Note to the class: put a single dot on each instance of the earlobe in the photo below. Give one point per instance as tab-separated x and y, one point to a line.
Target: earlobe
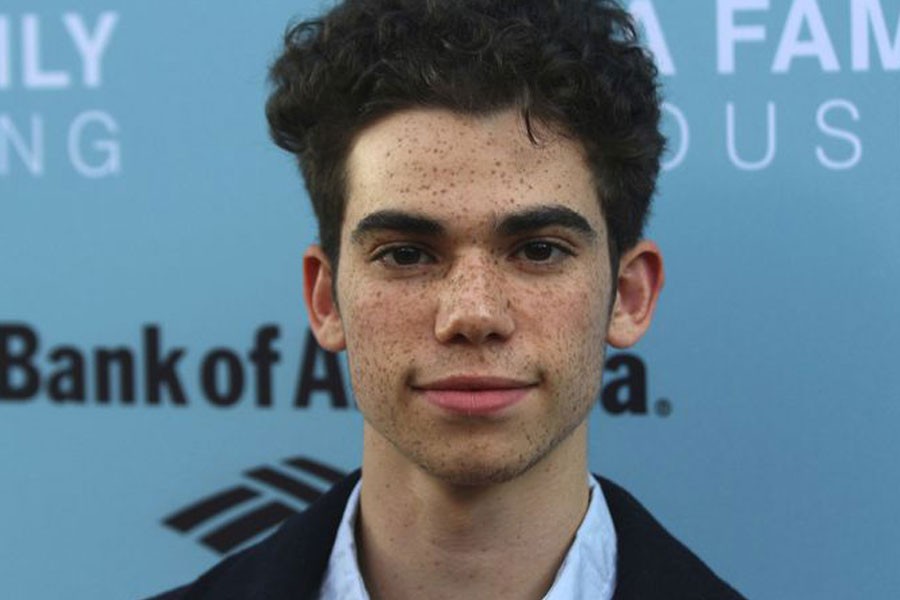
321	305
638	285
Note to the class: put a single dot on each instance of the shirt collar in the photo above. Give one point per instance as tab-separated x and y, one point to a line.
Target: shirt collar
588	570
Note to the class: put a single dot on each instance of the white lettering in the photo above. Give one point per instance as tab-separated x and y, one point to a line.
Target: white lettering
33	75
728	33
819	45
842	134
108	146
866	13
91	46
32	158
684	136
5	53
645	15
736	160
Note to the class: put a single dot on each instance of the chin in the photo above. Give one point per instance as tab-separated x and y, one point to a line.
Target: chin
478	469
474	475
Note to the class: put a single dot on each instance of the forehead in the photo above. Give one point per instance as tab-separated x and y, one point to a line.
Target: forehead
432	160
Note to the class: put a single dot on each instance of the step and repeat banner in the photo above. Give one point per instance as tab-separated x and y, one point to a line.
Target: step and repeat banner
162	403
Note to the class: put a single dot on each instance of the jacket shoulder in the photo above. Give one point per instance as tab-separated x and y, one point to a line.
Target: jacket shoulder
289	563
651	562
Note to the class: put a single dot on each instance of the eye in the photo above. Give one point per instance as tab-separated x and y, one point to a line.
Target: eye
542	251
403	256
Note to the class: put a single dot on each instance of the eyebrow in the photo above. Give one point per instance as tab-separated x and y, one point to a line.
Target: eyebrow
396	220
526	221
539	217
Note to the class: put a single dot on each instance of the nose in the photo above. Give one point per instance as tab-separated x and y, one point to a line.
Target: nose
474	306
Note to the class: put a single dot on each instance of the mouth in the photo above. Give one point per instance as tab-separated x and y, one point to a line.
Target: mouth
475	395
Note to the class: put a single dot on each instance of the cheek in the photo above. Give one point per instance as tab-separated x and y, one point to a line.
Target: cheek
383	331
570	326
581	307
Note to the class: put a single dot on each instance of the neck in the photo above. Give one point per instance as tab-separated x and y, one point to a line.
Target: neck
421	536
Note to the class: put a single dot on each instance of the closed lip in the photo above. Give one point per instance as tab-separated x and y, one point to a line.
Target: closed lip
474	383
475	396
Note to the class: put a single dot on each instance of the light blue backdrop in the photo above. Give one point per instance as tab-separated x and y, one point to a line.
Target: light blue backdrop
138	187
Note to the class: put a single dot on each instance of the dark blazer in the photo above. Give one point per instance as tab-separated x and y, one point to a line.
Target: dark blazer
290	564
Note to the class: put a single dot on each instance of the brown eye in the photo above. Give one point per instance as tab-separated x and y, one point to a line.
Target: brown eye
538	251
403	256
542	253
406	255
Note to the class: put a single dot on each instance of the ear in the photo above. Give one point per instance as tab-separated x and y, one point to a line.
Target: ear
639	283
321	305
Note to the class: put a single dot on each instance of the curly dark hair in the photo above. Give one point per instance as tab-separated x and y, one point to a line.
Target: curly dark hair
575	65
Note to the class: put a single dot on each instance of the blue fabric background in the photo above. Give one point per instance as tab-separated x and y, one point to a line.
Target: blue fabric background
776	341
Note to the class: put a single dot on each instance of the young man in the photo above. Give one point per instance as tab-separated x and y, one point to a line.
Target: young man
481	172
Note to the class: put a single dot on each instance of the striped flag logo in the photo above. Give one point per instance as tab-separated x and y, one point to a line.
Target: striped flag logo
227	519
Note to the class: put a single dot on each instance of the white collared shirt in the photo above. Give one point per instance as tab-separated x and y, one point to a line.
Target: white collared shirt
588	572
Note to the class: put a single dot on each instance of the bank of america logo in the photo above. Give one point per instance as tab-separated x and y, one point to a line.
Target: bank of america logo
270	494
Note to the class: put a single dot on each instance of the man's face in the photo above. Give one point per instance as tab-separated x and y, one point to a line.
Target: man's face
473	291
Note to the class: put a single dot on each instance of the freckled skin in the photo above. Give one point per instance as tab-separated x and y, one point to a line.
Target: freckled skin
479	307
